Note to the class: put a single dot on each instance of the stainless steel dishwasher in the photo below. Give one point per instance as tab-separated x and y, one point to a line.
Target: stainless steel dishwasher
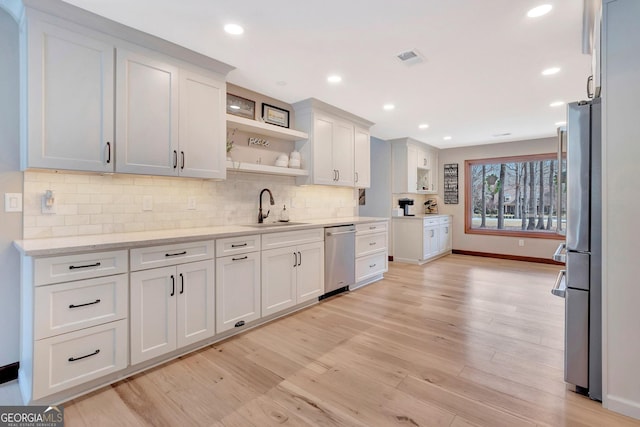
339	258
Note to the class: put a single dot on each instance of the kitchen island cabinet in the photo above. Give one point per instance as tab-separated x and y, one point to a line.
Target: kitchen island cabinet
422	238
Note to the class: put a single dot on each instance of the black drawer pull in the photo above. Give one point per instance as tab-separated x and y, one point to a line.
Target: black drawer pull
176	254
372	244
239	259
371	265
173	286
73	359
239	246
73	267
240	323
372	228
84	305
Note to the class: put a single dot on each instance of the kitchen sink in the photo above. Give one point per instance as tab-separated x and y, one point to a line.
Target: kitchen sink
275	224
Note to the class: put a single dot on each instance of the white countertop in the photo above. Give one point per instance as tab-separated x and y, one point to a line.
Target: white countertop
65	245
421	216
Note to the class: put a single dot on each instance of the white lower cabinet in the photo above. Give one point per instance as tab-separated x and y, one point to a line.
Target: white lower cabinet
372	252
291	275
237	290
420	239
171	307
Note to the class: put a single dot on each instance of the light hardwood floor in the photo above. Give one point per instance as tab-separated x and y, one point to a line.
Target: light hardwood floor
462	341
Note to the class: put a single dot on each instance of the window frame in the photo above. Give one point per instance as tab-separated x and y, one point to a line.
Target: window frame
468	198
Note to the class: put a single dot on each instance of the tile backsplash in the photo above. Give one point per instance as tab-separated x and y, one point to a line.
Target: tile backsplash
88	204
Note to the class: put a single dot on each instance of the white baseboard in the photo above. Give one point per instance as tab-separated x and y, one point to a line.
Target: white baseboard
622	406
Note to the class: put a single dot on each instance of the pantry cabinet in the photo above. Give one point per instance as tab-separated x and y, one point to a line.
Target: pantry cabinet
362	150
414	167
329	151
292	269
69	98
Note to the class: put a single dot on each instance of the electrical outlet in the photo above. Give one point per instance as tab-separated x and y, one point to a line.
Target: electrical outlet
191	203
48	200
147	203
13	202
521	242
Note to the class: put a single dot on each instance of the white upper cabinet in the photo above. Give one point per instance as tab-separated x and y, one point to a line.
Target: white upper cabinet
69	99
329	152
414	167
147	115
362	150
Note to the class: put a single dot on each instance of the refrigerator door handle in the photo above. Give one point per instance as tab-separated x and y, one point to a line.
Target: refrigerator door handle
560	287
560	254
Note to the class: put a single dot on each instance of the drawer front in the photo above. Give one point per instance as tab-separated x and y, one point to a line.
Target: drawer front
373	227
431	222
67	307
370	243
291	238
237	245
81	266
67	360
162	256
370	266
445	220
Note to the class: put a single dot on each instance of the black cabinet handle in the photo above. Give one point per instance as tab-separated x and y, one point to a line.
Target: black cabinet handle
176	254
338	175
238	324
173	286
371	265
239	246
75	267
175	159
108	152
73	359
372	244
295	259
182	163
357	177
181	284
84	305
299	258
239	259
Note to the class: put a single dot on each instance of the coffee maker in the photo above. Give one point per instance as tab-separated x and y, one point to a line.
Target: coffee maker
407	206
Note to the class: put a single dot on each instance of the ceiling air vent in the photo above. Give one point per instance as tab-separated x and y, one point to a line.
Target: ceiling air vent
410	57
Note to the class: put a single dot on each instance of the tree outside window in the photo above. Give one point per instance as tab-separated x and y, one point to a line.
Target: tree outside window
514	196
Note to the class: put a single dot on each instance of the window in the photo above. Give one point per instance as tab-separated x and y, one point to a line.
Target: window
513	196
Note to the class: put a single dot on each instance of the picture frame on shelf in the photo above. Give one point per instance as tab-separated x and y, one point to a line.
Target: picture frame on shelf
275	116
242	107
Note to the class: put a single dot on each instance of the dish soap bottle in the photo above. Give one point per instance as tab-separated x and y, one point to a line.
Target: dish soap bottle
284	215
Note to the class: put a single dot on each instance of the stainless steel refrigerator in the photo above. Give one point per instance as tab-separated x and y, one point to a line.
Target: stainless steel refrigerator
581	283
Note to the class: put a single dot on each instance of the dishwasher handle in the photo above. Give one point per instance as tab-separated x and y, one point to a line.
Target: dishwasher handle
337	233
560	254
560	287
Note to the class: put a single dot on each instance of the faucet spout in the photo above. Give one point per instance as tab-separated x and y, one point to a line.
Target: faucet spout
262	217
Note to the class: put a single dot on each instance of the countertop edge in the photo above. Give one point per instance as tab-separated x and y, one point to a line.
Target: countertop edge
101	242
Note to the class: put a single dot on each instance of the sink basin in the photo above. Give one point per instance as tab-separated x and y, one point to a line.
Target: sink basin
275	224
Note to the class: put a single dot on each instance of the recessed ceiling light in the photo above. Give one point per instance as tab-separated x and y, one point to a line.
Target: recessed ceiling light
550	71
423	126
561	123
447	138
334	79
234	107
234	29
388	107
537	11
556	104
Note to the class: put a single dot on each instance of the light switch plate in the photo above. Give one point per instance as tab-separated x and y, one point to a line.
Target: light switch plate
13	202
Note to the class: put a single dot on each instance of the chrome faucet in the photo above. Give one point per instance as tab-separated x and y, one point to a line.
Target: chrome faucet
260	216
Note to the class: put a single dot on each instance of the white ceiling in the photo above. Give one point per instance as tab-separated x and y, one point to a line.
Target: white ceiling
482	74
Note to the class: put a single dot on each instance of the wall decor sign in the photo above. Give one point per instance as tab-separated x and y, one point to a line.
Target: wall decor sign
259	141
239	106
275	116
451	183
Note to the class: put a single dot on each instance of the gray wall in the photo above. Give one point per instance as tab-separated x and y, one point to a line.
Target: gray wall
378	197
10	182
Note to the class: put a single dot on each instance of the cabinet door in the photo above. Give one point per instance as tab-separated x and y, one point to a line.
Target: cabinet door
195	289
444	239
153	313
237	290
342	147
202	126
362	160
278	279
324	171
430	248
147	115
412	169
310	271
69	99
